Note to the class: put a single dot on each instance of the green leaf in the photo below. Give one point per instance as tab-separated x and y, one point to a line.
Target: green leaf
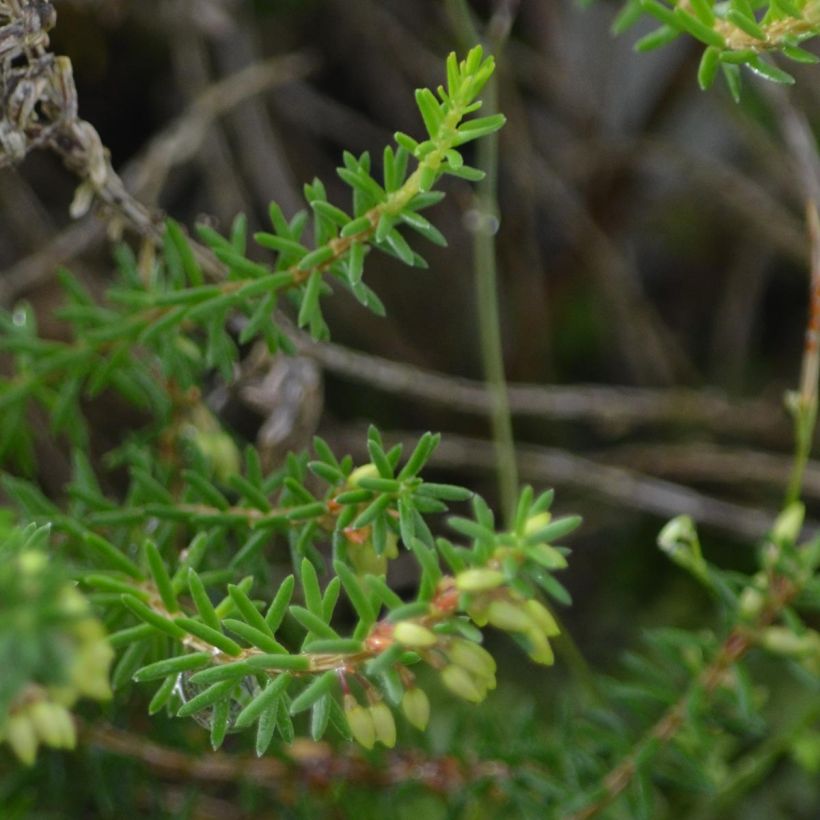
316	259
799	55
163	694
427	559
255	637
127	665
279	605
268	721
446	492
707	70
769	72
266	700
430	110
172	666
313	623
248	610
703	11
731	73
209	635
311	588
286	246
201	600
372	511
160	575
331	212
154	619
207	698
479	127
315	690
123	637
319	717
555	529
661	12
697	29
337	646
295	663
423	226
656	39
219	722
360	225
746	23
109	554
186	255
221	672
354	592
398	244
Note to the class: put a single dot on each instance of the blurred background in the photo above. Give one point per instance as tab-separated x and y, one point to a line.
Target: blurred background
652	277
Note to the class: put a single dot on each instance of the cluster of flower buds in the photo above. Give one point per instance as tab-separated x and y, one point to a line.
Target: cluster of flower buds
470	669
492	603
371	724
38	720
467	669
91	654
39	713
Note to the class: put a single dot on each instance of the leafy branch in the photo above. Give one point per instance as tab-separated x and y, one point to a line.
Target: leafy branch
736	33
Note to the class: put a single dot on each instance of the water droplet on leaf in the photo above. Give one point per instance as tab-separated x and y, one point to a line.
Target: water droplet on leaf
244	691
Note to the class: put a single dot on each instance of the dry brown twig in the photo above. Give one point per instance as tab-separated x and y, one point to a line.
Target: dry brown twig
42	93
311	765
39	105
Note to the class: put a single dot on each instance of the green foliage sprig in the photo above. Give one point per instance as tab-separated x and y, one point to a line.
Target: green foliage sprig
233	648
257	599
168	322
734	33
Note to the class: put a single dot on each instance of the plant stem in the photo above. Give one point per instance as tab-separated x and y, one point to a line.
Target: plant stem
805	402
757	764
486	219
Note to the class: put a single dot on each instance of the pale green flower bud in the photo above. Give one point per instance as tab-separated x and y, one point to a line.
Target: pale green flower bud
472	657
414	636
53	724
542	618
478	614
384	724
32	562
751	603
360	722
22	737
416	707
460	682
537	522
789	523
479	579
508	616
391	548
783	641
541	651
73	604
547	556
64	695
89	674
365	471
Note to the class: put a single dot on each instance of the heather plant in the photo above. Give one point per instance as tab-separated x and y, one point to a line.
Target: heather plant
257	600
